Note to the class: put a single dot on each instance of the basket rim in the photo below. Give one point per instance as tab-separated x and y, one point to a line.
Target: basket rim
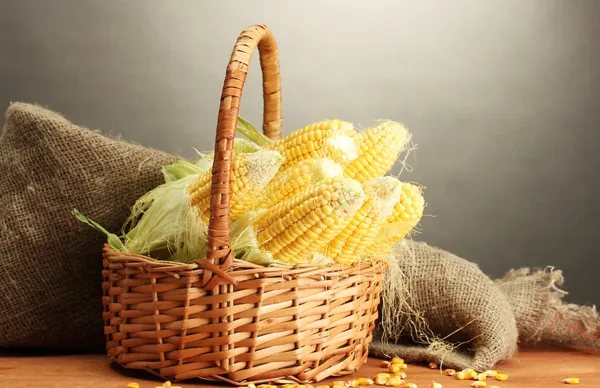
110	253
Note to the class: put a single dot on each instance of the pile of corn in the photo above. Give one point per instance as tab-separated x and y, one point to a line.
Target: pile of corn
319	195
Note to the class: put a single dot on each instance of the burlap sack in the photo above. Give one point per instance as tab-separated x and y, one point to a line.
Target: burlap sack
542	315
440	308
50	263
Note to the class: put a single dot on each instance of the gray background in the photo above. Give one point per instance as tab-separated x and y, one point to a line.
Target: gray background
502	97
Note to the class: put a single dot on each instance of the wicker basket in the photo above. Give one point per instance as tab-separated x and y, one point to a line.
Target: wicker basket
229	320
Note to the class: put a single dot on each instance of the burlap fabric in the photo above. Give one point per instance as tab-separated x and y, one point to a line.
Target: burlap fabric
50	263
542	315
446	311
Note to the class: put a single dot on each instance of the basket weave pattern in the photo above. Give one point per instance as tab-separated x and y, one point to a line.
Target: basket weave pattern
229	320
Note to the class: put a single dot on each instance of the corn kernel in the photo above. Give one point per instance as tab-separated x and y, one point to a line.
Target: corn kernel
321	386
251	385
571	380
436	385
394	368
501	377
133	385
403	366
395	381
461	375
263	386
382	378
449	372
384	364
397	360
471	375
481	377
468	370
167	384
401	374
433	365
307	386
477	384
352	383
288	385
409	385
365	381
491	373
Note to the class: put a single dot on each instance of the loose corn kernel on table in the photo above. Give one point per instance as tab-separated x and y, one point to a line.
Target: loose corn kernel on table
529	369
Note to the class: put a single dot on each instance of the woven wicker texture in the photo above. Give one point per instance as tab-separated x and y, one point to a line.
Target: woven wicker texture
229	320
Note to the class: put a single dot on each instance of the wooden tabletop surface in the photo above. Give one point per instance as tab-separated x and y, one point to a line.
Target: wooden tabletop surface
529	369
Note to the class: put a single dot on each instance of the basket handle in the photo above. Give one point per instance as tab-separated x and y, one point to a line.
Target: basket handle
219	255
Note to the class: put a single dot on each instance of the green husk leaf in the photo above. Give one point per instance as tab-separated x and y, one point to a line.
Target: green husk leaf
244	242
183	168
112	239
164	224
248	130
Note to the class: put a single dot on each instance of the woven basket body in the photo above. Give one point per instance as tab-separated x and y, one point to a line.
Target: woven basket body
230	320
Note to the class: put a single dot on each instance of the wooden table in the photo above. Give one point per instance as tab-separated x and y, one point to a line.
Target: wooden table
529	369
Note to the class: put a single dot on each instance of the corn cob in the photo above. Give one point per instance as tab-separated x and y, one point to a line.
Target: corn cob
380	196
331	139
405	216
289	182
295	229
379	150
250	173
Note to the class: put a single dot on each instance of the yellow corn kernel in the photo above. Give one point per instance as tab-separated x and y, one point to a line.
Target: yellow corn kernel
501	377
294	230
471	375
290	386
306	386
449	372
251	385
250	173
397	360
301	175
491	373
349	246
468	370
352	383
401	374
323	386
379	149
365	381
395	381
332	139
133	385
477	384
395	368
384	364
461	375
571	380
382	378
403	366
410	385
481	377
264	386
433	365
436	385
339	382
